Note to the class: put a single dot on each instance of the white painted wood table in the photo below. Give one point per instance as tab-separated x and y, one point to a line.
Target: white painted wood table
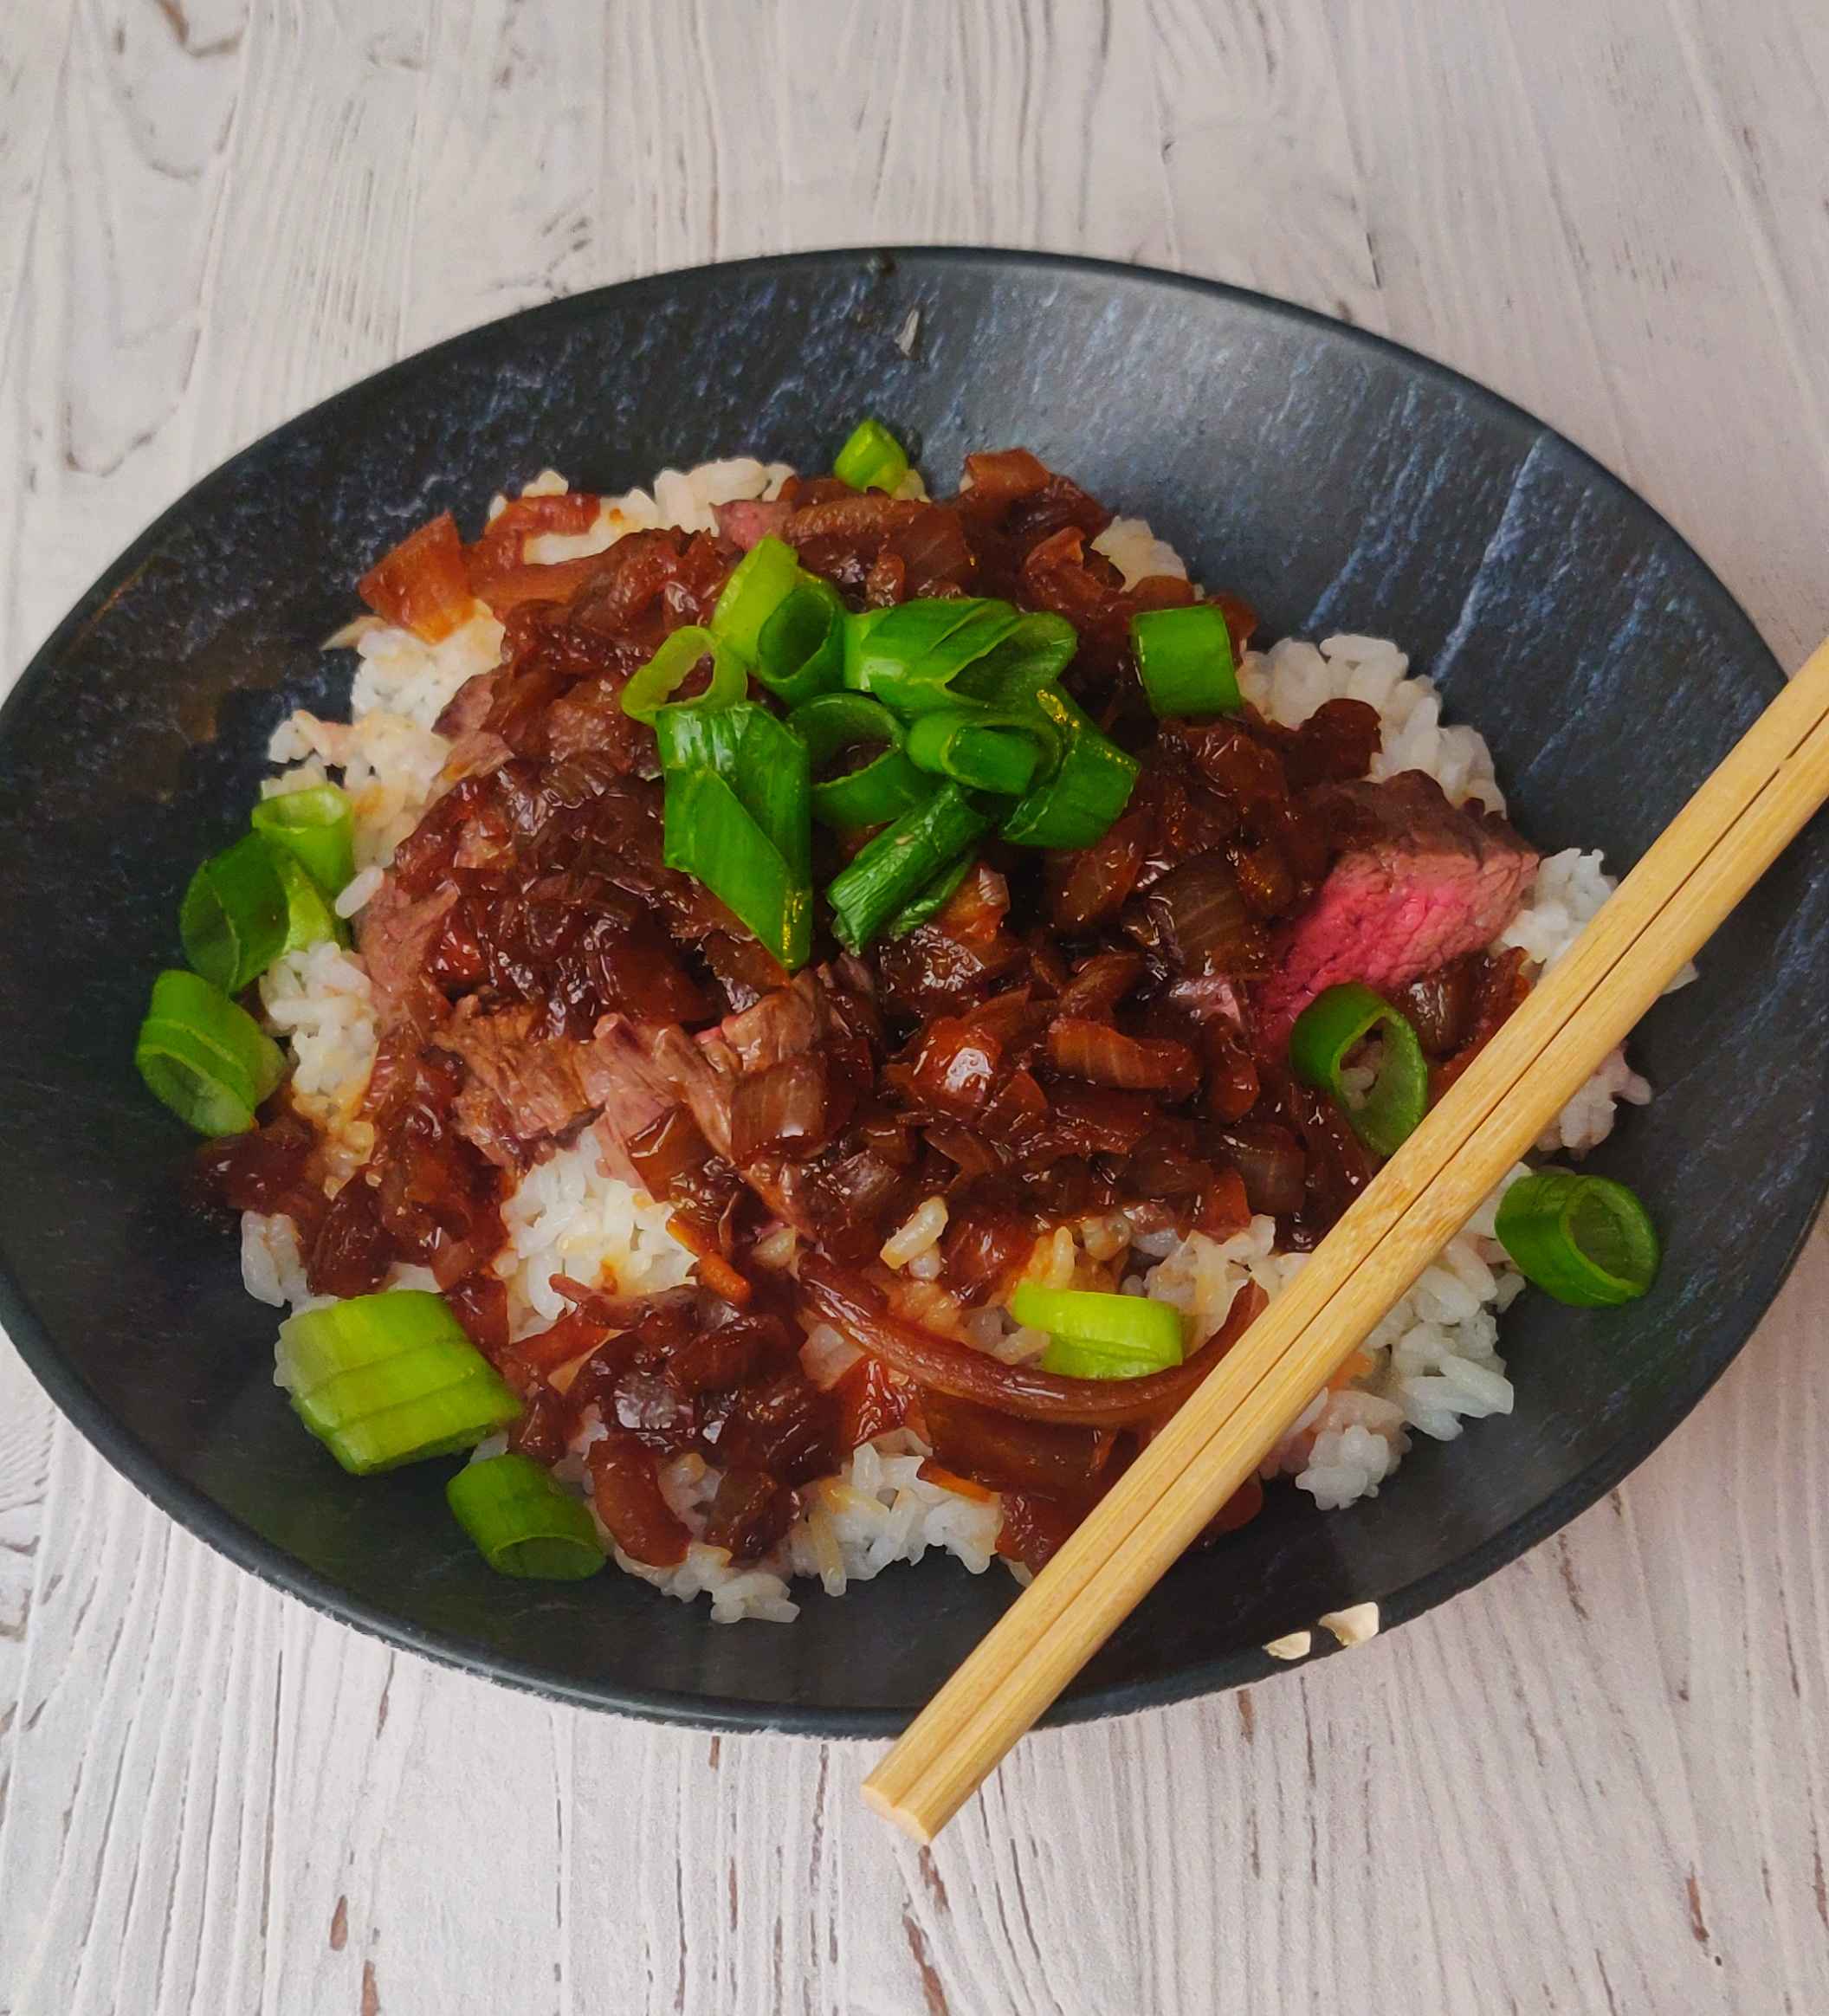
1600	1781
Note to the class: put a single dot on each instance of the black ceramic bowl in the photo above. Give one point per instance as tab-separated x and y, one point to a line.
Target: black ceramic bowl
1335	482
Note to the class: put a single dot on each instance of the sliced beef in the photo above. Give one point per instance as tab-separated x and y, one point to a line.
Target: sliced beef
748	521
1419	882
620	1075
524	1090
396	937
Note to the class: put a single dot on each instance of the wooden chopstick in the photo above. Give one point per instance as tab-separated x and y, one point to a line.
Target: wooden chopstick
1749	808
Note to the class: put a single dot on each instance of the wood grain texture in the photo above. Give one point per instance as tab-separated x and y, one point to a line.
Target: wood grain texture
1599	1781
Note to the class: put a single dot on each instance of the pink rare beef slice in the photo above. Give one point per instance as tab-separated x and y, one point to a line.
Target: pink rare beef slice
1419	881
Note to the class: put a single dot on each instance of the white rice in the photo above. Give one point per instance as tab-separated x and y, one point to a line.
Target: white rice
1432	1365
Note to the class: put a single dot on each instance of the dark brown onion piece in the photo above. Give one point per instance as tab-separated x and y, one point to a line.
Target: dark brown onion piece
1439	1006
793	1109
1335	745
851	1304
351	1252
627	1492
1098	1120
985	1244
1202	922
783	1424
1007	1453
1105	1056
1270	1160
748	1514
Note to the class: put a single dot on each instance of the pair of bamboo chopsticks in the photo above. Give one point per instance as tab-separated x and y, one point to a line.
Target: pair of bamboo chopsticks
1688	880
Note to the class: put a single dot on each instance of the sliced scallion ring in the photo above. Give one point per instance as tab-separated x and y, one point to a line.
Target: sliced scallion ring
203	1056
1326	1031
932	900
878	790
389	1379
315	826
1097	1335
894	866
236	913
975	748
872	459
654	685
1086	789
1586	1240
800	652
760	583
522	1523
1185	660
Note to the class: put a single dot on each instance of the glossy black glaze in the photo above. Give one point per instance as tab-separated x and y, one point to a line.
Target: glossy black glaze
1335	482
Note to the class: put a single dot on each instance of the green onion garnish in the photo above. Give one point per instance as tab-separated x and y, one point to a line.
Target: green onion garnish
1033	654
709	834
315	825
899	862
760	583
388	1379
205	1057
877	791
907	656
800	652
762	761
1099	1336
523	1523
670	666
872	459
1185	659
1086	789
967	748
1332	1025
1584	1239
311	916
932	900
236	917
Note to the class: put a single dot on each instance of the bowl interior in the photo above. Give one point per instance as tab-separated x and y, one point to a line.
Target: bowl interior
1336	483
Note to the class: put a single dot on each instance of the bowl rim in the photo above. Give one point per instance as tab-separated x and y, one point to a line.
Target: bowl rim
201	1515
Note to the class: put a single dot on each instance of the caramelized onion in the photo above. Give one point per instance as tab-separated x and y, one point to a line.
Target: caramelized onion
1094	1051
1008	1454
1202	922
848	1303
1270	1160
627	1490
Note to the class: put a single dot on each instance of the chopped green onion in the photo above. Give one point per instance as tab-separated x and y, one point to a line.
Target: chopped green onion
877	791
709	834
1584	1239
899	862
315	826
872	459
1185	660
762	761
932	900
673	664
1332	1025
311	916
388	1379
1099	1336
523	1523
1085	792
801	651
966	747
760	583
907	656
205	1057
1034	653
236	917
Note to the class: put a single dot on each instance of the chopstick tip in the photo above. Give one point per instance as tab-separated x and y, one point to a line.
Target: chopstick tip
886	1808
